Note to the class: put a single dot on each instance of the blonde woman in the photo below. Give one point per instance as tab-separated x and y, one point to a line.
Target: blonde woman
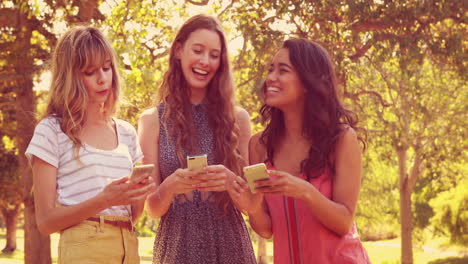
200	222
81	156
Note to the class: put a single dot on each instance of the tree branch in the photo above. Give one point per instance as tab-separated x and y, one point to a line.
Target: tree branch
8	17
161	54
378	37
157	56
360	52
374	93
10	76
360	26
87	9
201	3
37	25
13	76
9	103
225	9
384	77
247	81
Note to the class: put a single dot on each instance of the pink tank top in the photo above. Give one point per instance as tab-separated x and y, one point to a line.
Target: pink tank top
299	237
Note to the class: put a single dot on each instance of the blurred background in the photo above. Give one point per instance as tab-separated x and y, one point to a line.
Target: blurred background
402	67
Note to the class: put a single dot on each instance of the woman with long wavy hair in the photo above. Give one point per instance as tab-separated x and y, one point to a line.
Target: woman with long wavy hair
196	115
81	156
311	147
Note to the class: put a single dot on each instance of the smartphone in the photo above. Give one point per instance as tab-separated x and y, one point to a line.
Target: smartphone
254	173
197	162
141	172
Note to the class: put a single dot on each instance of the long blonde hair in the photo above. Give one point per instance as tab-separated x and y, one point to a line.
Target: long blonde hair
175	94
75	51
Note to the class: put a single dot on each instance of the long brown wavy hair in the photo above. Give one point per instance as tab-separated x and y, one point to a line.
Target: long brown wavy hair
75	51
175	94
324	116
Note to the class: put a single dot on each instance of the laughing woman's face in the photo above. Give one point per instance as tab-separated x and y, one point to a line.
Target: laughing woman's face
200	57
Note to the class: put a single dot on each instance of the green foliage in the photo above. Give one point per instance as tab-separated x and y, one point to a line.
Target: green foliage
146	226
377	212
10	188
450	260
451	213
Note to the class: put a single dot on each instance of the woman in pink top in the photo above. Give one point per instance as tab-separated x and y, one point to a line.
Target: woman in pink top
311	148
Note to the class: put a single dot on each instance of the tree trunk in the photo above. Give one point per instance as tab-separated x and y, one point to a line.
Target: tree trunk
405	210
11	219
36	245
262	256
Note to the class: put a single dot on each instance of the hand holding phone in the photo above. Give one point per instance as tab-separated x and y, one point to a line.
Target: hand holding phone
197	162
141	172
254	173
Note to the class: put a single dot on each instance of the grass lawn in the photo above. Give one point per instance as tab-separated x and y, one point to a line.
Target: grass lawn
381	252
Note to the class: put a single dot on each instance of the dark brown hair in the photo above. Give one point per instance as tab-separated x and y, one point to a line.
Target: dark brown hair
324	116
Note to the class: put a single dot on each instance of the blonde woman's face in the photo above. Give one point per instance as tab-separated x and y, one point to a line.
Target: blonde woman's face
200	57
97	79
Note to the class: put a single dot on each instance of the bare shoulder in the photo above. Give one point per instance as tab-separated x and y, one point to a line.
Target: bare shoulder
348	134
150	112
348	139
242	115
257	150
150	117
255	139
243	121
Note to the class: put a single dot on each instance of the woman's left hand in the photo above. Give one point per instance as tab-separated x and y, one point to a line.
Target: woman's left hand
283	183
148	183
218	178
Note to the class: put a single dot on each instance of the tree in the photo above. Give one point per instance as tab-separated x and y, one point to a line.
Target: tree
422	125
409	32
27	39
403	47
10	195
10	185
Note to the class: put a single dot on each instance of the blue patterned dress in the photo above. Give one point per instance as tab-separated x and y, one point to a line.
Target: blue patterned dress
195	229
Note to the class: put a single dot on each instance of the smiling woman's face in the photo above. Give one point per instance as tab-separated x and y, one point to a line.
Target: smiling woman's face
200	57
283	85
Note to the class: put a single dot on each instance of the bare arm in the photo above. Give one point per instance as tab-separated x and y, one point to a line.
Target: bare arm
138	206
52	219
218	178
158	202
258	213
243	120
336	214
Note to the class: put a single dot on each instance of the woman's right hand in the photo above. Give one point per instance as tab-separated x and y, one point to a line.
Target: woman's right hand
181	181
124	192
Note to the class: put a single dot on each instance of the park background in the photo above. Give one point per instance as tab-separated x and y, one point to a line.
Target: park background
401	66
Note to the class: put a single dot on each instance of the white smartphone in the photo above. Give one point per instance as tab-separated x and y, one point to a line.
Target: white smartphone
254	173
141	172
197	162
